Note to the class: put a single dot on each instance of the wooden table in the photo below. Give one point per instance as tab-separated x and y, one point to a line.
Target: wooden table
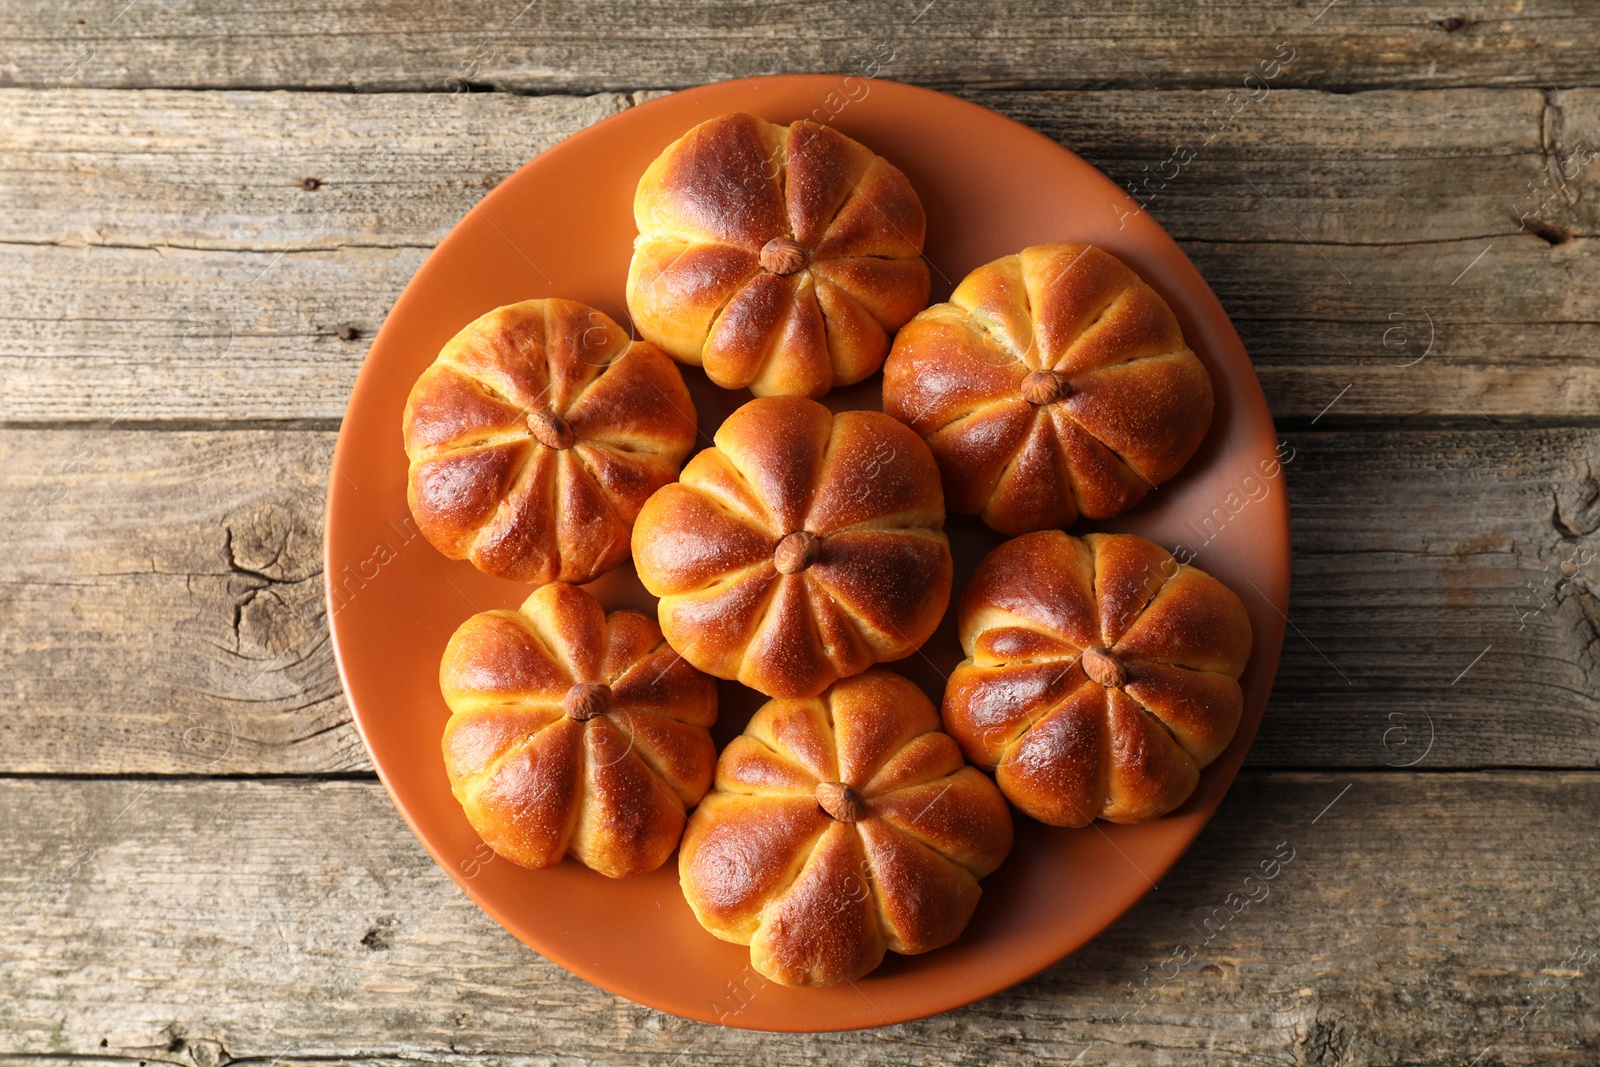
209	207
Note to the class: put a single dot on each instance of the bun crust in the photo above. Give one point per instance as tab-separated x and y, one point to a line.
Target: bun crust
779	258
803	548
841	827
575	733
1055	383
535	437
1101	675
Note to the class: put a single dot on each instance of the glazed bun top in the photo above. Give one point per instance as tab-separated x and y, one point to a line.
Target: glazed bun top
1055	383
536	436
805	547
779	258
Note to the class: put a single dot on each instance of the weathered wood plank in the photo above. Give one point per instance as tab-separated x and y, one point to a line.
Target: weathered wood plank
164	259
1388	167
607	44
1370	168
160	594
228	170
174	334
163	606
1421	919
1444	600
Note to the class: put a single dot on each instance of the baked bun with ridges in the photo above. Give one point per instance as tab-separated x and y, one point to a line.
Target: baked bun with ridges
803	548
535	437
840	827
779	258
1055	383
1101	675
573	732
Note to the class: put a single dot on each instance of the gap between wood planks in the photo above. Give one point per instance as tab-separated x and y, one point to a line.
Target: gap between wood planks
1419	177
1413	919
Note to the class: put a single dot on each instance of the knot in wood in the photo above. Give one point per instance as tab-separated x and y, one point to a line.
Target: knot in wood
796	552
1104	668
1043	387
550	429
586	701
842	803
782	255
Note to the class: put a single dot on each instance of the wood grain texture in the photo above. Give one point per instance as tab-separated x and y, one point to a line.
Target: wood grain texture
163	605
1401	220
528	45
1410	918
164	260
229	170
161	601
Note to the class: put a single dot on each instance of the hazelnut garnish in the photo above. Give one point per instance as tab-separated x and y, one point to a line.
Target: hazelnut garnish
796	552
586	700
1104	668
1043	387
550	429
783	255
842	803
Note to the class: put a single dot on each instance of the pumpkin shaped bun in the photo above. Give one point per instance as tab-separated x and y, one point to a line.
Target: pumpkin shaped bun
1055	383
842	826
779	258
535	437
801	549
574	732
1101	675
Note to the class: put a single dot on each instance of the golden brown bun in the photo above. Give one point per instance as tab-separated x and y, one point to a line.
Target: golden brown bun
841	826
803	548
575	733
1101	675
844	269
1055	383
535	437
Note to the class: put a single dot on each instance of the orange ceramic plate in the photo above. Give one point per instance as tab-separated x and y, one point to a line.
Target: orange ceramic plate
563	226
